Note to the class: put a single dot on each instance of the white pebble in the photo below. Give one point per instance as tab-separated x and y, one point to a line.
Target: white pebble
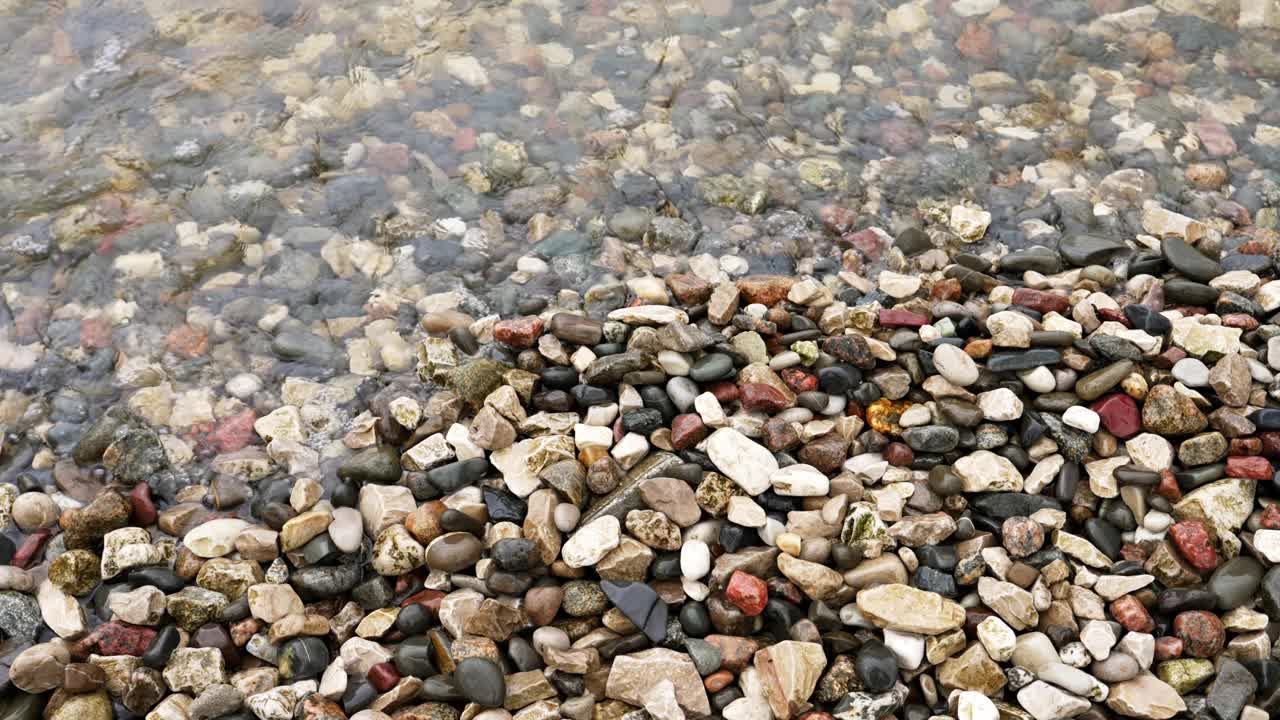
630	450
532	265
1259	372
1038	379
602	415
784	359
770	532
567	516
674	363
550	636
1075	654
695	559
695	590
1191	372
1082	418
907	646
709	409
244	385
835	405
915	416
975	706
1156	521
955	365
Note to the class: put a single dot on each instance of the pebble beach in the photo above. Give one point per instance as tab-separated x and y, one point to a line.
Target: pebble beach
616	360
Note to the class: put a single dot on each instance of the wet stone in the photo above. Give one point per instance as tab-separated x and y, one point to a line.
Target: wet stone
480	681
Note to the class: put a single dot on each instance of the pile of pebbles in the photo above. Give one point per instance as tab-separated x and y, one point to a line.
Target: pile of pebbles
1039	488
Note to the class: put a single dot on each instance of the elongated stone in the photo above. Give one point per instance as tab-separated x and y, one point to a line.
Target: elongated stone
902	607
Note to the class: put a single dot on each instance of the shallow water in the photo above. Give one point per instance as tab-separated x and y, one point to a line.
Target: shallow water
190	191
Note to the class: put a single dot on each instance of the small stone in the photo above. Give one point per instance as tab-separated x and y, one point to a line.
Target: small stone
984	471
40	668
632	675
396	552
972	670
191	670
1168	412
901	607
641	604
789	672
816	581
997	638
1046	702
83	678
1012	603
592	542
270	602
87	706
449	552
746	463
75	572
214	538
970	224
1145	697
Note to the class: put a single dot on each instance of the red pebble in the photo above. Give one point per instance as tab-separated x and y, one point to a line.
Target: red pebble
1270	444
234	432
144	510
429	599
1270	517
30	548
1247	323
187	341
520	332
816	715
1168	487
1201	632
95	333
1130	612
116	638
1245	446
1119	414
780	435
717	681
764	398
897	454
1255	247
725	391
687	430
902	318
1251	468
781	587
464	140
798	380
1168	648
1040	301
383	676
1112	315
1134	552
747	592
869	242
1191	538
1167	359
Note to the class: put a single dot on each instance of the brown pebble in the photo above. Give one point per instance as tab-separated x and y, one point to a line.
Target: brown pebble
717	681
83	678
